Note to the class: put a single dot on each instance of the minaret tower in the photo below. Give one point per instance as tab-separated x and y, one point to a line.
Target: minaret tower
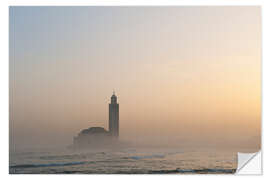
114	116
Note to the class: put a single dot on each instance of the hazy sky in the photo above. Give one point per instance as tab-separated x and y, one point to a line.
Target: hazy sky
181	74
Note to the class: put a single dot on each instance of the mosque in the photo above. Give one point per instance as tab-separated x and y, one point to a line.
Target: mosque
98	136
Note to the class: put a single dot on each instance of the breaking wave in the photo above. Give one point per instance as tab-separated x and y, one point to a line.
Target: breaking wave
48	165
147	157
195	171
153	156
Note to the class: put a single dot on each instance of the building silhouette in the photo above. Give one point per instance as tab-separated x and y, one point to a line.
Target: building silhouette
114	116
96	137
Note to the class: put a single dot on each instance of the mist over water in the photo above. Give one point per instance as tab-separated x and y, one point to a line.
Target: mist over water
128	158
124	161
188	82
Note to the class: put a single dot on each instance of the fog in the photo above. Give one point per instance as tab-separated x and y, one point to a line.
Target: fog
184	76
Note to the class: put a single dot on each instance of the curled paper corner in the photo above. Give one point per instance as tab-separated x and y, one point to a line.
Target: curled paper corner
249	163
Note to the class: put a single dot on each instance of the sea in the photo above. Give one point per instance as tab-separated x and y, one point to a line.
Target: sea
124	161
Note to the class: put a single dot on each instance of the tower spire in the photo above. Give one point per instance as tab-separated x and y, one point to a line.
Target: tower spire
114	116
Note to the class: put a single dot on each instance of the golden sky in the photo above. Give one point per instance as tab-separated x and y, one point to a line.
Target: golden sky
192	74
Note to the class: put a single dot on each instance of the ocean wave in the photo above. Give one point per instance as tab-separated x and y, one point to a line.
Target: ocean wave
154	156
147	157
194	171
130	171
48	165
61	157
